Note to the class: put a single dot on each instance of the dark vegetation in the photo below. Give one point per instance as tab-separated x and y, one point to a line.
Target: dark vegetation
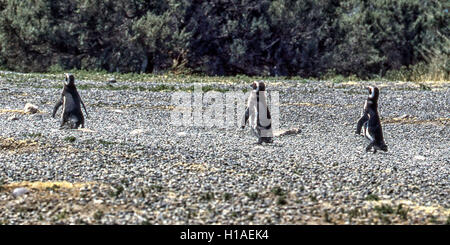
307	38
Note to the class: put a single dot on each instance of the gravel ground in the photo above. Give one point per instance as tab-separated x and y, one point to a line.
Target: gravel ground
131	166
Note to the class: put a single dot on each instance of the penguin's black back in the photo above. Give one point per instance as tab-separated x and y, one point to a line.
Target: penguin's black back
73	99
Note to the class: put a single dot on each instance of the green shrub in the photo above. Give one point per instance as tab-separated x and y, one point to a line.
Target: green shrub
70	139
405	40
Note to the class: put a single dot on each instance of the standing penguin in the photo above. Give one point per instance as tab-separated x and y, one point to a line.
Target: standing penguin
258	112
71	102
370	122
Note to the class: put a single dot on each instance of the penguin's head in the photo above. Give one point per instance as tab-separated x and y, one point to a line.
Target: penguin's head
374	92
69	80
258	86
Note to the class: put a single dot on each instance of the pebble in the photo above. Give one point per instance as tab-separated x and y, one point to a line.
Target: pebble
30	108
13	118
138	131
20	191
182	134
98	201
420	158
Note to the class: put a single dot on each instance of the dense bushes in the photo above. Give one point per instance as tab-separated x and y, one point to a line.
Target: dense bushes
388	35
226	37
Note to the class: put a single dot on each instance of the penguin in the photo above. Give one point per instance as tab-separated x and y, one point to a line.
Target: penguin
370	122
71	102
259	114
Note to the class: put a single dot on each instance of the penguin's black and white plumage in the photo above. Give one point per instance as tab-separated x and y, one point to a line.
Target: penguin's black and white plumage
258	115
71	102
370	122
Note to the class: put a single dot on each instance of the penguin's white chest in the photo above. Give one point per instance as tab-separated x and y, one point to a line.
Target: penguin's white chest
259	119
366	132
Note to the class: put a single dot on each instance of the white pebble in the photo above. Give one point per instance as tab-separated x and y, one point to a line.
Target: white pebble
20	191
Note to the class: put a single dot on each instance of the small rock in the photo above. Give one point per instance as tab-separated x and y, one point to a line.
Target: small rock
420	158
30	108
20	191
291	131
13	118
181	134
138	131
97	201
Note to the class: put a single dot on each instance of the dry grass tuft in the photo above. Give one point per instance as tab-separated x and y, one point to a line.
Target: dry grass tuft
38	185
12	145
17	111
308	104
413	120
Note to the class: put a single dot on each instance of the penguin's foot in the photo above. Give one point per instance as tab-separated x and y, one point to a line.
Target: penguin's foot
267	139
